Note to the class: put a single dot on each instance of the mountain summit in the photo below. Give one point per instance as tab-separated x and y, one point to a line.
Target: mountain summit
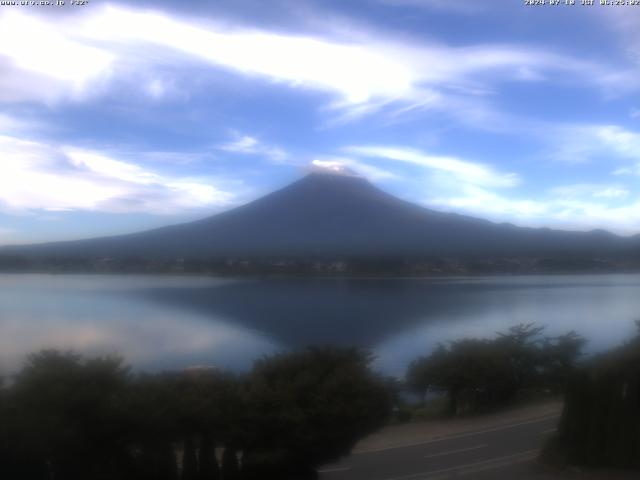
335	213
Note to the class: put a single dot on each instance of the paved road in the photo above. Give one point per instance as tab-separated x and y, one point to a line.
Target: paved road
504	452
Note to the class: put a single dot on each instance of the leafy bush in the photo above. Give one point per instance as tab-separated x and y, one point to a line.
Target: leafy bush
481	374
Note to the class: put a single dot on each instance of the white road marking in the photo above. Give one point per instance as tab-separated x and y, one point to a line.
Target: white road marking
332	470
546	432
460	435
460	450
475	467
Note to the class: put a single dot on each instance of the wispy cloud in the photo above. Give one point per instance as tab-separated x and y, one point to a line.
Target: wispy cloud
582	207
589	190
41	61
36	176
623	142
475	200
458	185
622	218
77	53
583	143
248	145
355	72
470	172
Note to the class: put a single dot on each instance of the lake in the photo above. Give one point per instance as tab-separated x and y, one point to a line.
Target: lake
171	322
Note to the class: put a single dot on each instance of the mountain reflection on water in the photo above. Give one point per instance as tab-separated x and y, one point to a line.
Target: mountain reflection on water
300	312
173	322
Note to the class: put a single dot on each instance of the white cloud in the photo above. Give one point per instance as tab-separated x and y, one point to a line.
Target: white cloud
476	189
248	145
466	171
41	176
584	214
612	192
556	211
578	206
590	190
70	51
355	72
40	60
581	143
631	170
480	201
244	144
72	62
624	142
72	54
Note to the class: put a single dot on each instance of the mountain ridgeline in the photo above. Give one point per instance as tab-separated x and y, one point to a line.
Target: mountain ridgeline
326	215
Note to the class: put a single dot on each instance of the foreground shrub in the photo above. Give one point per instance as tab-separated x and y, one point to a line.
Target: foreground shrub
71	418
600	425
310	408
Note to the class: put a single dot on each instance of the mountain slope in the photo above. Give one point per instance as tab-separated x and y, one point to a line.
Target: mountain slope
327	214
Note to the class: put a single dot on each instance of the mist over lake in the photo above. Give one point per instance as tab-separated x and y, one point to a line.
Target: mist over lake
172	322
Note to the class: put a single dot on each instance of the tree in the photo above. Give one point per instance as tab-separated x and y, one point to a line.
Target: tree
74	418
69	414
521	345
559	357
481	374
474	373
309	408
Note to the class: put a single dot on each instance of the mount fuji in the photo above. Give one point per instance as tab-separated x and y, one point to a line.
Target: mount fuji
335	213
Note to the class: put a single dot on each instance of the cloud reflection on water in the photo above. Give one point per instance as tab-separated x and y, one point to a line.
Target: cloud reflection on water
173	322
89	314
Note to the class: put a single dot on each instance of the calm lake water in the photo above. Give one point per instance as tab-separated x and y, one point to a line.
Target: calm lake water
173	322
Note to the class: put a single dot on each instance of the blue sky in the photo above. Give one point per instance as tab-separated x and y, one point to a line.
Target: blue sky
121	116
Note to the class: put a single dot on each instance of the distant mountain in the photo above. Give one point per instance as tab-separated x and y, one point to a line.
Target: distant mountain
328	214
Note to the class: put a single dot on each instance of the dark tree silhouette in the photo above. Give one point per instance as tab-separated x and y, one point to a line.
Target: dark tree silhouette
600	424
70	416
66	417
309	408
479	374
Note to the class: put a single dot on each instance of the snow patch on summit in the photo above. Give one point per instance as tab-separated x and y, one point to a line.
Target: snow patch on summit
332	167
